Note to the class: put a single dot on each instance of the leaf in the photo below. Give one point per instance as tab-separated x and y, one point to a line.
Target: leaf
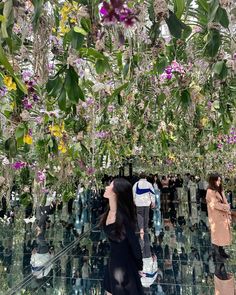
213	10
218	67
2	18
187	32
20	131
73	90
86	24
179	7
101	65
38	9
161	63
175	25
185	98
80	30
54	86
119	89
203	4
62	100
77	40
11	146
14	43
91	52
213	44
221	69
4	61
222	17
7	10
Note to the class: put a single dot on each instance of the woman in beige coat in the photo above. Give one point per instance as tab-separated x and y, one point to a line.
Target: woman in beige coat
219	215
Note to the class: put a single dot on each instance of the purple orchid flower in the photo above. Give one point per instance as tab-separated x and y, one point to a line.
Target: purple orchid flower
18	165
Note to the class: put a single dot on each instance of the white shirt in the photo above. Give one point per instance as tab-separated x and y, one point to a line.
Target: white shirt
149	267
145	198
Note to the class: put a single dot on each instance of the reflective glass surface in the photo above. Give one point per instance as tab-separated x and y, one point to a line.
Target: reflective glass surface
80	252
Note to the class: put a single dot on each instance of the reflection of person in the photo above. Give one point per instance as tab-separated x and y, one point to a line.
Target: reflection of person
41	256
125	262
219	215
144	197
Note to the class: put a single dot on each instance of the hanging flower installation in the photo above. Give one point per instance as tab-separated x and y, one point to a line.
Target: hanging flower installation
85	87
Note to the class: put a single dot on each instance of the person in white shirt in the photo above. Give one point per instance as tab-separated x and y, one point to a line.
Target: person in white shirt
144	197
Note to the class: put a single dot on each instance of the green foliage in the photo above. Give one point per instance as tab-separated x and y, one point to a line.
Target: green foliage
175	26
73	90
4	61
213	43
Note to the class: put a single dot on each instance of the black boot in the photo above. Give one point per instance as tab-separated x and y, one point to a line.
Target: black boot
217	254
223	253
220	271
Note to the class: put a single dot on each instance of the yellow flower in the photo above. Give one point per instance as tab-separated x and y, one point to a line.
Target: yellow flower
73	20
7	80
172	157
57	130
62	147
64	30
204	121
28	139
54	30
13	105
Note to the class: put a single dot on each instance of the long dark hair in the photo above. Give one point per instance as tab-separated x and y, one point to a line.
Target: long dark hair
126	210
212	183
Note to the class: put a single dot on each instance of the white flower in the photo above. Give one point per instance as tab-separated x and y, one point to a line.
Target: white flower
5	161
25	115
161	9
98	87
114	120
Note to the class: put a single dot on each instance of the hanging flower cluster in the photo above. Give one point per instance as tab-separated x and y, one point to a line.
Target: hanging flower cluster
227	139
32	97
117	11
174	67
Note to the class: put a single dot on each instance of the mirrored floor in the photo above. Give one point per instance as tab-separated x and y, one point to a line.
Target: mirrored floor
179	242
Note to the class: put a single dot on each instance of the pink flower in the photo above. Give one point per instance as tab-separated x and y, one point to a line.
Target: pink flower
41	176
18	165
102	134
110	108
90	170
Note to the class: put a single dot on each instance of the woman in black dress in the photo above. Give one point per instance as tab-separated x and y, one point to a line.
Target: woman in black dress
125	263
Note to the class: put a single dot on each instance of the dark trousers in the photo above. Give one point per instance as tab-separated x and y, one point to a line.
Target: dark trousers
143	217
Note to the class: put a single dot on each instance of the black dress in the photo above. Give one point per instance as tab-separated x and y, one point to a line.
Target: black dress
122	277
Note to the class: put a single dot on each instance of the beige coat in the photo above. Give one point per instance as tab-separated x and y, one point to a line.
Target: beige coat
219	216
